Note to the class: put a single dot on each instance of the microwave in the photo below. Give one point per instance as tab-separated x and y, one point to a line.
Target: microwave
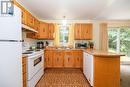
81	45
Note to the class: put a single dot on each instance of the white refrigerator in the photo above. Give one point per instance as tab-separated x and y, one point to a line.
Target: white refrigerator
11	50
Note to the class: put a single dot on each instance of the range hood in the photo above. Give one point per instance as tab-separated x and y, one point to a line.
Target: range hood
28	29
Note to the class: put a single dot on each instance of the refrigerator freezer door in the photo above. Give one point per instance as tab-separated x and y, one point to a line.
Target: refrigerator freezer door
10	26
10	64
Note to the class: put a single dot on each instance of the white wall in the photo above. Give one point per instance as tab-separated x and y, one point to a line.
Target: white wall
96	34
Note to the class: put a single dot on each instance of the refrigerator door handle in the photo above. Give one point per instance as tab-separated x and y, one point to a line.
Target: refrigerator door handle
11	40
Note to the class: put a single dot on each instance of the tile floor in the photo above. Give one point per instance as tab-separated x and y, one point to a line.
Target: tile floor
75	78
63	78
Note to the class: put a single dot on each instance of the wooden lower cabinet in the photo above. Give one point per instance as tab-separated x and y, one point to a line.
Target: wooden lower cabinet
58	59
48	58
63	59
78	59
24	71
68	59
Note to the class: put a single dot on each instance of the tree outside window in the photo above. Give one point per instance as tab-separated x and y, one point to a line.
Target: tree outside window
119	40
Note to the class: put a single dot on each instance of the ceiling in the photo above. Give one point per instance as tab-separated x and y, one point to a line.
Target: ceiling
79	9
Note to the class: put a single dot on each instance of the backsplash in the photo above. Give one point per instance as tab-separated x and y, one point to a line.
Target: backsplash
51	42
28	42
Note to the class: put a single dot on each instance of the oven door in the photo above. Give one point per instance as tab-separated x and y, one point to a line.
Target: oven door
35	64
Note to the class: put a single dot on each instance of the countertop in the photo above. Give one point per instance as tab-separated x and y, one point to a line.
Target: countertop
33	52
24	55
65	49
91	51
102	53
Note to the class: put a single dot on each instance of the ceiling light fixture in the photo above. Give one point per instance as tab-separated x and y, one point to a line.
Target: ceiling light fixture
64	21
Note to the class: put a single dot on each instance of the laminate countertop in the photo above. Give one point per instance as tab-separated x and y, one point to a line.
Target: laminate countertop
90	51
102	53
63	49
24	55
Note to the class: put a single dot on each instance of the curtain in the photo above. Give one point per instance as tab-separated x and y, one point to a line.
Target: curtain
71	36
57	36
103	37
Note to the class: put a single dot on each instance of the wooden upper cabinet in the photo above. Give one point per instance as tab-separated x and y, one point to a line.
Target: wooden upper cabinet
43	31
83	31
24	12
36	24
87	31
90	31
51	29
30	20
36	27
24	17
77	31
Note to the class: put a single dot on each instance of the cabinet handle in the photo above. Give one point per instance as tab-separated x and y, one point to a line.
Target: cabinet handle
43	30
68	59
87	31
57	59
78	58
22	14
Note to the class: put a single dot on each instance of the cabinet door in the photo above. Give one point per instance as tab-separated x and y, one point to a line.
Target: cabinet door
30	20
48	58
58	59
36	24
43	33
77	31
51	31
90	31
78	59
86	31
68	59
24	17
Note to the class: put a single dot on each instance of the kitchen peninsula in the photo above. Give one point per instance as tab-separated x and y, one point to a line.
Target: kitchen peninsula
102	69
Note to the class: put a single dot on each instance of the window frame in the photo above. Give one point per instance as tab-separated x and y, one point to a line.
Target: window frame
63	44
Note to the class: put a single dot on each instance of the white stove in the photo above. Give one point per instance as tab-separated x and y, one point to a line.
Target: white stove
35	67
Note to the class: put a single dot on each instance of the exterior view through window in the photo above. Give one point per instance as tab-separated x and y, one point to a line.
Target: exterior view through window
119	40
64	35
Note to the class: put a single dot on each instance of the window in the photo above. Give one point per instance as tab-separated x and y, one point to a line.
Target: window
64	35
119	40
